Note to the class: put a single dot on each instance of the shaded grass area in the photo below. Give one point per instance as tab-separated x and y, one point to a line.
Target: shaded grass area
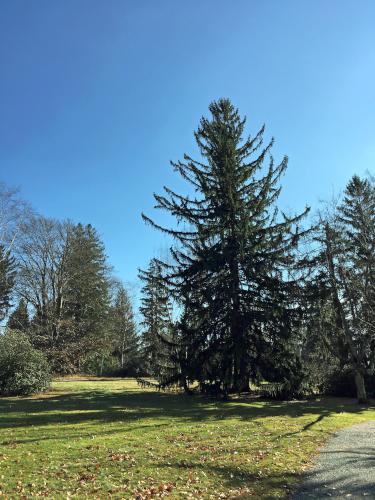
105	438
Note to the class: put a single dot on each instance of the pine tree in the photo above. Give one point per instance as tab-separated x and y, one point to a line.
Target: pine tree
7	275
234	254
19	319
125	341
158	340
87	292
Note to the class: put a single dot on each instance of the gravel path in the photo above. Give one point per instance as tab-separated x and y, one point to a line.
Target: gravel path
345	466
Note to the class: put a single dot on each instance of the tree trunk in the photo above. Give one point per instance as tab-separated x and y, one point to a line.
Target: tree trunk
361	389
241	382
102	365
245	383
123	352
185	385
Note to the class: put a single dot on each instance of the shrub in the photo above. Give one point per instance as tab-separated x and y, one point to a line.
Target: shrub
23	369
285	391
100	364
104	363
341	384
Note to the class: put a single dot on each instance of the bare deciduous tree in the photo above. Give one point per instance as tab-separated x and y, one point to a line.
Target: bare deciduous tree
13	213
41	280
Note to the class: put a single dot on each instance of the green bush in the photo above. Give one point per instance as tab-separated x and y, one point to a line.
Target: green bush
23	369
100	363
285	391
341	384
104	363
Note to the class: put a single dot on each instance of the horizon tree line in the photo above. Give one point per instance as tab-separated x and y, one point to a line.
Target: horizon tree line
246	294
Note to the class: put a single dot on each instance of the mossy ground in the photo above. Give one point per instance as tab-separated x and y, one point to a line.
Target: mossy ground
107	438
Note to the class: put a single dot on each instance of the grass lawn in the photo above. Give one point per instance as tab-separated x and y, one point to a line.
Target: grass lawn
106	438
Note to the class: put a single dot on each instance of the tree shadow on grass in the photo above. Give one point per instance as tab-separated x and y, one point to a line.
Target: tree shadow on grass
135	407
144	411
236	477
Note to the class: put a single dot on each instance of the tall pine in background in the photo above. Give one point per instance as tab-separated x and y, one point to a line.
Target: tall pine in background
158	342
125	340
7	276
234	256
19	319
86	304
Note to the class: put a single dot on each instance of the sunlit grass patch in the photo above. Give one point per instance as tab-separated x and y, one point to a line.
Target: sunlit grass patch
106	438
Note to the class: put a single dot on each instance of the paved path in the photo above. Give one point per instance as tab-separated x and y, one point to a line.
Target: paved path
345	467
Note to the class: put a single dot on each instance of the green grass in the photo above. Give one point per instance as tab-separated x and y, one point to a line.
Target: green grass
105	438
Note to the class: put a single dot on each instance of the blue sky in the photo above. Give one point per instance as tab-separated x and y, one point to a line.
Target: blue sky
97	96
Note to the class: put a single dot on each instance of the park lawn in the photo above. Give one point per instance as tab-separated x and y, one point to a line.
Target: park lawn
107	438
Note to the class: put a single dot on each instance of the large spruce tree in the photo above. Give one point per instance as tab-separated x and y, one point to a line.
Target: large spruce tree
234	254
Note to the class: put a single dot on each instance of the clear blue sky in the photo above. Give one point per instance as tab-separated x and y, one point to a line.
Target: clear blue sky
97	96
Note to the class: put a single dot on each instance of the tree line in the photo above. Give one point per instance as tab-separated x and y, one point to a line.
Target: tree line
64	297
247	293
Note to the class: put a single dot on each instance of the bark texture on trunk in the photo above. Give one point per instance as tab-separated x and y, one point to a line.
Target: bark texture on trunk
361	389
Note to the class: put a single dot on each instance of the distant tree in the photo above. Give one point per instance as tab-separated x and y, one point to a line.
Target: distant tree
7	276
13	213
19	319
234	262
346	281
86	303
158	342
63	276
41	251
124	335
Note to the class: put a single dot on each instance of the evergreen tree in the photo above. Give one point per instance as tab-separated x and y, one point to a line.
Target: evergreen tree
125	341
19	319
158	333
64	278
234	253
7	276
346	281
86	302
